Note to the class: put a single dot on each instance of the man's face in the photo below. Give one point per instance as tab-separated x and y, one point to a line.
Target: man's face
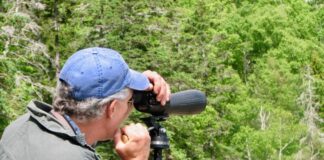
126	106
122	110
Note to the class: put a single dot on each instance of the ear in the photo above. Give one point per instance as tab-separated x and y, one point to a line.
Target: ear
111	109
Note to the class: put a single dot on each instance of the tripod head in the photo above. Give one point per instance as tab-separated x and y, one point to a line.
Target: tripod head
159	139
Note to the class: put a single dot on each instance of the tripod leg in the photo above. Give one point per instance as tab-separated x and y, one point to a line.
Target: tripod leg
157	154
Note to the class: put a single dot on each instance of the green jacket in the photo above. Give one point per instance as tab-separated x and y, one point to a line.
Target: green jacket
38	135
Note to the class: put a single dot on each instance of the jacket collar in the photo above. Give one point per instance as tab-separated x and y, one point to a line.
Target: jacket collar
41	113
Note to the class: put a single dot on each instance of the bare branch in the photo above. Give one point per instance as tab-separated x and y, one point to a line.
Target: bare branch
264	118
34	85
248	152
283	148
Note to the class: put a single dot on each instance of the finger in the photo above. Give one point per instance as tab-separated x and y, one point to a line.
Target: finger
140	125
167	94
157	83
118	139
154	78
117	135
149	74
161	96
129	130
125	138
150	87
143	131
132	132
160	87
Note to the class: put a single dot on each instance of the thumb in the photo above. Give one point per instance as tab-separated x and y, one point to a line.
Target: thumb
150	87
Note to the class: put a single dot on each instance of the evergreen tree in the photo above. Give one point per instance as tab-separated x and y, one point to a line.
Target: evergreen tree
247	56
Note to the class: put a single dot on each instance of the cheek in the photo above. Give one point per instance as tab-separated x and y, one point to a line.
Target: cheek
125	114
130	109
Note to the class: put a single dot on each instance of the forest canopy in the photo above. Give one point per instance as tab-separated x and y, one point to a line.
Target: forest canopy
260	63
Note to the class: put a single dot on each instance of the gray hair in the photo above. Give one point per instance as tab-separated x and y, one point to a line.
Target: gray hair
84	110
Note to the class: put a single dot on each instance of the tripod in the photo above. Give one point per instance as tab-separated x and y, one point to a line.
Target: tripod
159	139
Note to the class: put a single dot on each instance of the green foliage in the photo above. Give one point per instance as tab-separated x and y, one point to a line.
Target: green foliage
249	57
200	139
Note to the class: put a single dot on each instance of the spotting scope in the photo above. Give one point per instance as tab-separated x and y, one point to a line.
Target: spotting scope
181	103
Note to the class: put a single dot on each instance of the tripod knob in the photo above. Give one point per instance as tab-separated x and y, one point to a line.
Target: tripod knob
159	139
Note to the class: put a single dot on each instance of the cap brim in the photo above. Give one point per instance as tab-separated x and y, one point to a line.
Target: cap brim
138	81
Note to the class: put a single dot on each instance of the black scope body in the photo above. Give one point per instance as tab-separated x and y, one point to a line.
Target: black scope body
181	103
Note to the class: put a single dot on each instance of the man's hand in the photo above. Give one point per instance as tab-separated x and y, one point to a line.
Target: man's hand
137	144
159	86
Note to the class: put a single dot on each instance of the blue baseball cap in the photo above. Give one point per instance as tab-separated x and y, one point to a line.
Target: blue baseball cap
98	73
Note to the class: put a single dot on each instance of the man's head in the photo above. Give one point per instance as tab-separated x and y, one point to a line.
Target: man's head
91	78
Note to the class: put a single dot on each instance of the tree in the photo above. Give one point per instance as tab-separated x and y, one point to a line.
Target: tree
312	143
24	58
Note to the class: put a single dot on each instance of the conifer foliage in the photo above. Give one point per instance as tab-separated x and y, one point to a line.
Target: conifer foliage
260	63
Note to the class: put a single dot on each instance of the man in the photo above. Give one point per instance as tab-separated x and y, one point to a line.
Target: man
93	98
